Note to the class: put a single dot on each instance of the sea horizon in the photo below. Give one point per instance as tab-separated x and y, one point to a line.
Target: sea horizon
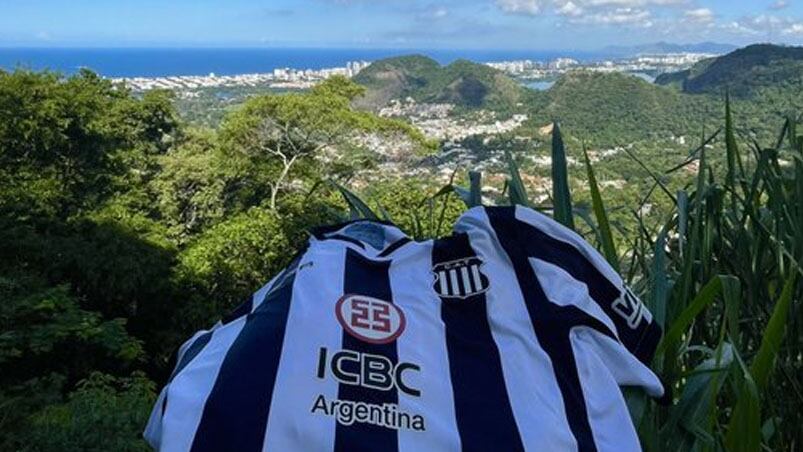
128	62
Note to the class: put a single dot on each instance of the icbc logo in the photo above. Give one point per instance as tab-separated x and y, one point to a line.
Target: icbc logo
370	319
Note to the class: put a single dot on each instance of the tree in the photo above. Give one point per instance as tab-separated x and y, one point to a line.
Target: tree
275	133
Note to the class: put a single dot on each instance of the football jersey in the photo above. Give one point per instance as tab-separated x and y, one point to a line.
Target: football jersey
512	333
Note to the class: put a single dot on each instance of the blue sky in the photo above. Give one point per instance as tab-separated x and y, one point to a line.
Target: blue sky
467	24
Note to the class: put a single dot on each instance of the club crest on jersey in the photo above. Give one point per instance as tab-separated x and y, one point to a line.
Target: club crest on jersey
461	278
370	319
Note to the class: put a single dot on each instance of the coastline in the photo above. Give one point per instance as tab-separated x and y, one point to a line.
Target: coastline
532	73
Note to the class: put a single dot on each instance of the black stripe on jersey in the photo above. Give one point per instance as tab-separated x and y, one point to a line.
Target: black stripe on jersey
394	246
371	278
236	413
192	351
552	323
243	309
641	340
482	406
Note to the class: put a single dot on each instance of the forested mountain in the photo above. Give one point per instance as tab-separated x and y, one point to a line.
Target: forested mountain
617	108
462	83
744	72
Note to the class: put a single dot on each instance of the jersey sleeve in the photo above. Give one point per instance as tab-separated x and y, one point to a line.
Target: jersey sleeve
190	349
572	273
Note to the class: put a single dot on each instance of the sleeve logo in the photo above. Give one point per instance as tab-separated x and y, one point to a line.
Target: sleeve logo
630	308
460	278
370	319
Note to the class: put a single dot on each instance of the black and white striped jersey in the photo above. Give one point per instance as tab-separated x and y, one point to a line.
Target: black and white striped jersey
511	334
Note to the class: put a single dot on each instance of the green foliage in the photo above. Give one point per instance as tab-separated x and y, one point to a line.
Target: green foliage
462	82
192	185
122	231
273	138
104	413
745	71
416	205
229	260
560	181
615	109
605	234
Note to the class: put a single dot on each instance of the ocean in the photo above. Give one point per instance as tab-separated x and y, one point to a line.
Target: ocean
161	62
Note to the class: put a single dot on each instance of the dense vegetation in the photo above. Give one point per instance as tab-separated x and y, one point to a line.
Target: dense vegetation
745	71
613	108
462	83
123	230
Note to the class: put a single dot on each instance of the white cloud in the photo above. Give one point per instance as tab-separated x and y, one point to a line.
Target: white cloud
739	28
618	16
779	4
764	24
635	3
570	9
795	29
699	15
526	7
596	10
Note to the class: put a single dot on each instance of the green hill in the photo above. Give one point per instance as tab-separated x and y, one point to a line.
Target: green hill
462	82
745	72
617	108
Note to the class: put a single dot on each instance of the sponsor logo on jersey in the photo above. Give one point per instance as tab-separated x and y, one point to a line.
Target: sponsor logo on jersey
388	415
367	370
630	308
370	371
460	278
370	319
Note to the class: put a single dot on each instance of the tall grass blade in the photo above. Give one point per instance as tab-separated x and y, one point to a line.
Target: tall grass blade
731	149
744	428
660	283
688	423
652	174
475	189
773	334
693	155
358	209
745	414
560	180
516	191
606	237
683	220
681	323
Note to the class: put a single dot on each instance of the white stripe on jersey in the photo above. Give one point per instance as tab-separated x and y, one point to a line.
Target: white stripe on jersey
297	387
259	295
610	432
524	373
563	290
455	284
534	393
424	344
625	368
564	234
442	283
185	407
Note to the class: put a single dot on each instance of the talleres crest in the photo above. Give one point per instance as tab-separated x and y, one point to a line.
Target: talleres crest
461	278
